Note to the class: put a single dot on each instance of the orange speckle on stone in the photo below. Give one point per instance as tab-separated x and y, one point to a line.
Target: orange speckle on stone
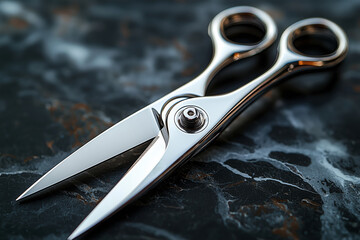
78	120
66	11
125	31
81	198
50	144
182	50
189	71
262	209
289	229
290	224
357	88
281	206
234	184
269	95
83	106
198	176
18	23
157	41
8	155
30	158
311	204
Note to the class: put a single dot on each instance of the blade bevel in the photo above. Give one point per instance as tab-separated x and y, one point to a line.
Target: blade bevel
128	133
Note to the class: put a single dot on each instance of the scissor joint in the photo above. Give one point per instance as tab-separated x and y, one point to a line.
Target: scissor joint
191	119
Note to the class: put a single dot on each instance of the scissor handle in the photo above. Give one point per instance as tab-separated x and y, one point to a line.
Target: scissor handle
291	59
313	27
226	50
225	47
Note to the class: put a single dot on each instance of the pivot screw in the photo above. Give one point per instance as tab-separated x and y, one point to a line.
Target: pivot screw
191	119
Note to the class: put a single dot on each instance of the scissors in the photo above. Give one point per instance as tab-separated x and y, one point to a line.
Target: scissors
184	121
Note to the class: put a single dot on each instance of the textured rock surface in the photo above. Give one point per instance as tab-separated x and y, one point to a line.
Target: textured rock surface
288	168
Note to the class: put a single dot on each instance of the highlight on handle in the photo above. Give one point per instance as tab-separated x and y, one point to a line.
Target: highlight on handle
242	31
313	42
293	57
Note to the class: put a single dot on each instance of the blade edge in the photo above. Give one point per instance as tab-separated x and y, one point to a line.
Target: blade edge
143	126
126	188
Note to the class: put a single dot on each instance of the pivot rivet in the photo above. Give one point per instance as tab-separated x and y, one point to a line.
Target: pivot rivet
191	119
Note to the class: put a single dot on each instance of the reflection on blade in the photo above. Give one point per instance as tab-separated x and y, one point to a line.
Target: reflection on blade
130	132
129	186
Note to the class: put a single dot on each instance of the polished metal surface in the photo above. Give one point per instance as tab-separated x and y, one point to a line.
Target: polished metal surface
109	144
128	187
185	121
89	155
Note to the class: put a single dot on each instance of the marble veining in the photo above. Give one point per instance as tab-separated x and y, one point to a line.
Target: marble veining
287	168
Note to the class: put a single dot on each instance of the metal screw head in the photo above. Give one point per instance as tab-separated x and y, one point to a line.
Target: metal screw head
191	119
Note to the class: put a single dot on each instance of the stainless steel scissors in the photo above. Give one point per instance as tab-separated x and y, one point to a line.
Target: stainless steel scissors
185	121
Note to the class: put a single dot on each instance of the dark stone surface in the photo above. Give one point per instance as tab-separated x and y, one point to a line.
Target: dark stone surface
288	168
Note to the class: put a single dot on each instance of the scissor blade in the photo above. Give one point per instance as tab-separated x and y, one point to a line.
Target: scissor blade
134	182
128	133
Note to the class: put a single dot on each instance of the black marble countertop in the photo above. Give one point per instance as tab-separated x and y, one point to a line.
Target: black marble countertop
288	168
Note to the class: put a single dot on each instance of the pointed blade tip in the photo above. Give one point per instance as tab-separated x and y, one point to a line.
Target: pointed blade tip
23	196
19	198
71	237
77	232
